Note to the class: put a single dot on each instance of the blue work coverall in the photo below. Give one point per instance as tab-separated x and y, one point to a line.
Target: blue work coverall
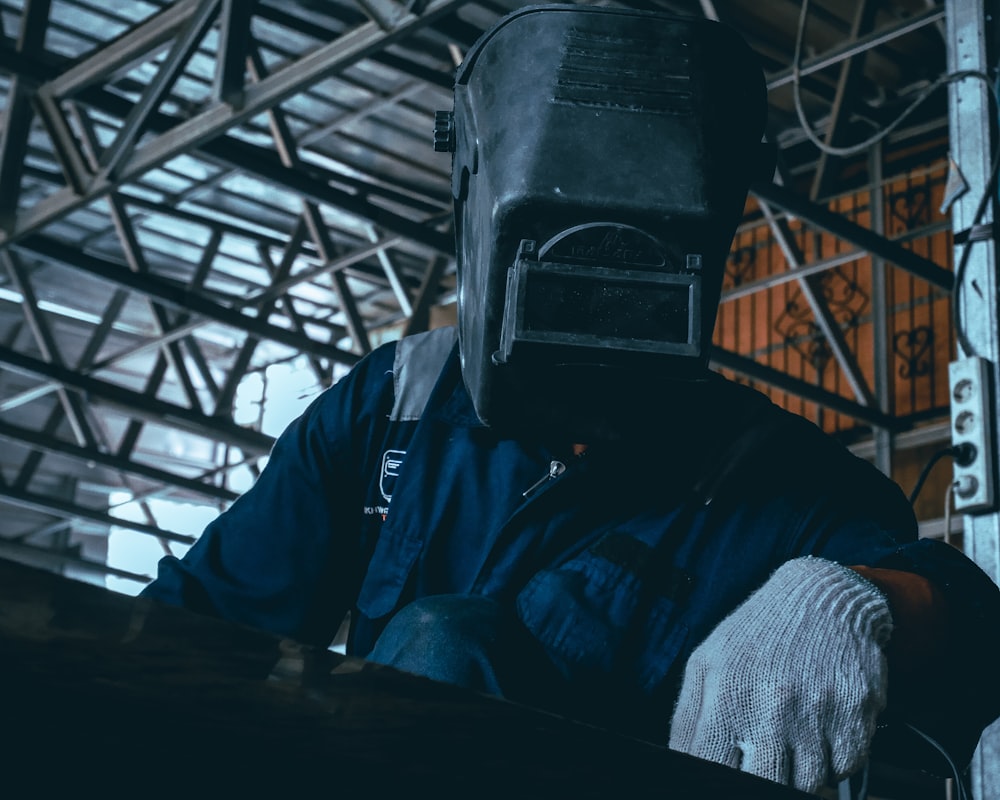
618	562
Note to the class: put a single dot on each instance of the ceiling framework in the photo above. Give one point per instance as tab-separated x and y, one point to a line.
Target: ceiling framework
192	192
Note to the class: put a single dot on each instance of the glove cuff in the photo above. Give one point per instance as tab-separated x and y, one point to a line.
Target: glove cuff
836	592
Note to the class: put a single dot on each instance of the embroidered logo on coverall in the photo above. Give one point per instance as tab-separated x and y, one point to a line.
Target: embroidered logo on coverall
392	460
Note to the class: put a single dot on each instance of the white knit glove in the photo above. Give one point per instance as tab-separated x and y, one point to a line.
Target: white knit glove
789	685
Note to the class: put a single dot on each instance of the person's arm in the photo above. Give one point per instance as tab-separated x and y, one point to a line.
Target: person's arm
285	557
919	626
903	631
941	665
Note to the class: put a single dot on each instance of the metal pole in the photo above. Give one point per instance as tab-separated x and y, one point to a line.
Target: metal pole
880	314
970	122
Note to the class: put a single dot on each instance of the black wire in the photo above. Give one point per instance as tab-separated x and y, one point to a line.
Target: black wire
956	306
926	471
860	147
993	94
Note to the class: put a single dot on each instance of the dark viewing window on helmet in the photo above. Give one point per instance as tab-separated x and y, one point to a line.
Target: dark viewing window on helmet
602	307
607	309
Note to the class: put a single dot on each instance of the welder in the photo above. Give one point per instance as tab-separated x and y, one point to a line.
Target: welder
556	500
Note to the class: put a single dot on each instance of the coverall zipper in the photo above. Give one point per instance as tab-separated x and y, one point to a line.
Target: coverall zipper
556	468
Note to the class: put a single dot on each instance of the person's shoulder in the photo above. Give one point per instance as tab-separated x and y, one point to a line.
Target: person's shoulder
782	437
748	407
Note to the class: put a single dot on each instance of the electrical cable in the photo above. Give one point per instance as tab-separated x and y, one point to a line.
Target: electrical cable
948	496
862	790
926	471
963	261
963	792
880	135
966	345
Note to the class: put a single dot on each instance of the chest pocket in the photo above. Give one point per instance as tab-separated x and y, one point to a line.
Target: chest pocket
390	567
614	609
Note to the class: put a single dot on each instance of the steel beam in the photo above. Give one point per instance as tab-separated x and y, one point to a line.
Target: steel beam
234	44
808	391
114	105
864	238
814	267
34	21
825	321
14	127
348	305
374	107
320	370
134	428
138	44
850	71
288	152
244	355
180	297
47	443
779	278
283	18
160	319
183	328
59	559
319	191
136	261
880	315
427	293
215	120
61	508
281	287
169	71
103	329
310	182
140	406
236	154
30	465
93	346
862	44
48	347
383	13
64	146
16	122
392	274
29	395
197	282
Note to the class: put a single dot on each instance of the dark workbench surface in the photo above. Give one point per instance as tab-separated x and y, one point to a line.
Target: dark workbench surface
102	692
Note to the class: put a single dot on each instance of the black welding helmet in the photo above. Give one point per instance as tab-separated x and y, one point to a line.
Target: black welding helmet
601	162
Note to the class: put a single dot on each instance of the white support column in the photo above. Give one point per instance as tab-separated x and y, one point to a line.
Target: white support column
972	145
